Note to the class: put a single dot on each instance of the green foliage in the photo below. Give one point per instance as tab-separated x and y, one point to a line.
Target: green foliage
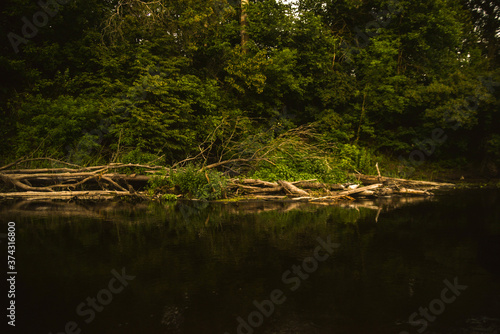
247	72
159	183
353	158
136	156
298	168
280	171
332	168
65	127
201	184
168	197
157	114
166	78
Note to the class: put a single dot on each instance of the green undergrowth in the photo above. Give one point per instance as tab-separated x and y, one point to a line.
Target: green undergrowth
327	166
333	166
190	181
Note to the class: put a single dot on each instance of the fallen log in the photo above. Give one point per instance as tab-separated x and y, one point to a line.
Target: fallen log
290	189
53	181
341	193
37	195
254	190
19	184
414	192
58	176
5	169
371	179
366	193
40	170
75	176
309	185
22	160
357	190
256	182
317	185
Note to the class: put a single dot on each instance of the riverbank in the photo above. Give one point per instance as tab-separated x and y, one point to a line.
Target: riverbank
233	189
142	182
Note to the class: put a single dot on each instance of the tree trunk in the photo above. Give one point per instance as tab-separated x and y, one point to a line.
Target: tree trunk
244	23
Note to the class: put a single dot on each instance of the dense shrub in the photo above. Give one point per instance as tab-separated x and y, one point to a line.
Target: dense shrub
303	168
190	181
353	158
201	184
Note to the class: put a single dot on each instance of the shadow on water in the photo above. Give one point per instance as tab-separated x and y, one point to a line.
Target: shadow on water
213	267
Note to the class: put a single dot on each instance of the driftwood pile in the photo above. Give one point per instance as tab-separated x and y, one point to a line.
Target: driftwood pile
299	190
109	181
73	181
308	190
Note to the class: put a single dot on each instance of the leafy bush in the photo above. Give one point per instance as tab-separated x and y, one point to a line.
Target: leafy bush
136	156
354	158
205	185
201	184
159	183
300	168
59	127
269	172
191	181
169	197
319	161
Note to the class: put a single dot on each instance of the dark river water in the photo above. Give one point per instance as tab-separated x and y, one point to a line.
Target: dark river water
389	266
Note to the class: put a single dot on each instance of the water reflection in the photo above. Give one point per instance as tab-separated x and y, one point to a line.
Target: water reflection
200	266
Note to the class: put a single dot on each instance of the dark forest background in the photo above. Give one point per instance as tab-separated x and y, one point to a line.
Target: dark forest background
93	81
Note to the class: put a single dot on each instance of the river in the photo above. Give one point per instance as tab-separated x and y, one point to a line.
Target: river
421	265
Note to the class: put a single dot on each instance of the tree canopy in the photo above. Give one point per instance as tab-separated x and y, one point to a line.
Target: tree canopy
86	80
